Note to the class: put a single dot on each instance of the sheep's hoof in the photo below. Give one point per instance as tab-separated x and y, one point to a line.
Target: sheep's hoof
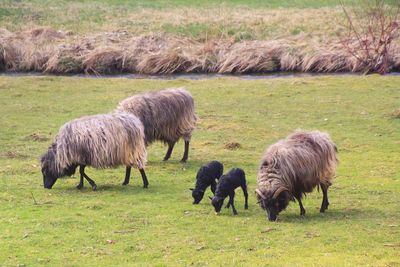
94	187
235	213
165	159
183	160
79	186
246	207
322	210
125	183
145	186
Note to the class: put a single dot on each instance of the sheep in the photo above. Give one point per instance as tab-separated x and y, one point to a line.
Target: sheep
206	176
226	187
167	115
100	141
295	166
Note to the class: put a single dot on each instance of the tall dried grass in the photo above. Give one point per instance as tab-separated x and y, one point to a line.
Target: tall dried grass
46	50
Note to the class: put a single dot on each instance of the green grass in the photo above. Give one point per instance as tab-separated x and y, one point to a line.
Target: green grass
159	226
239	19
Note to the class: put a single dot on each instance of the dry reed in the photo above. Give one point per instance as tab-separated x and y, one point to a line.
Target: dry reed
46	50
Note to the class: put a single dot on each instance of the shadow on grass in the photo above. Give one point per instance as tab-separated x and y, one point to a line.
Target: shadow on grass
331	215
123	189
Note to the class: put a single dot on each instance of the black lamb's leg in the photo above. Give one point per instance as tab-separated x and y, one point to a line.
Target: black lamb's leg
127	175
186	152
144	177
232	197
80	185
169	151
246	196
302	210
229	202
91	182
325	202
213	186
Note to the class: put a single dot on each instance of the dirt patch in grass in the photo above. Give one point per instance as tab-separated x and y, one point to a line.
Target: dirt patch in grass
37	137
13	155
396	114
232	146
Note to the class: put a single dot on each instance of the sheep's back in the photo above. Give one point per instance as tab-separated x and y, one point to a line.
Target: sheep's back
303	159
166	115
102	141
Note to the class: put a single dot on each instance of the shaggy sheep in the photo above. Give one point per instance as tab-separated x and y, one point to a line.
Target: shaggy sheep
167	115
293	167
226	187
100	141
206	176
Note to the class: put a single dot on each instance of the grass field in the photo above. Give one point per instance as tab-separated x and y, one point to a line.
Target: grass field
195	19
120	226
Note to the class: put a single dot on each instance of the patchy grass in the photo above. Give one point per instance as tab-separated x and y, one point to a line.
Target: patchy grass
119	225
198	19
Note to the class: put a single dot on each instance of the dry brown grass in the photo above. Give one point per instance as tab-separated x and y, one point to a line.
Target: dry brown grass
46	50
220	21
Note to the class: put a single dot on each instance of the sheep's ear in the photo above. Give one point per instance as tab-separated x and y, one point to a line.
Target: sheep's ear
210	197
191	189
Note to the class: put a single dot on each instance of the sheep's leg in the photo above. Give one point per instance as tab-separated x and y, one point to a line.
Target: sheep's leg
325	202
302	210
231	199
144	178
127	175
213	186
186	152
229	202
169	151
246	196
80	185
83	174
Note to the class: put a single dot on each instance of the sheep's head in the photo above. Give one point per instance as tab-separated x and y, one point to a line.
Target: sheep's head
273	200
197	195
217	202
49	169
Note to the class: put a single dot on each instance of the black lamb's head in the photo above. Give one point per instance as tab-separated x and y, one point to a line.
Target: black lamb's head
217	202
197	195
273	201
49	169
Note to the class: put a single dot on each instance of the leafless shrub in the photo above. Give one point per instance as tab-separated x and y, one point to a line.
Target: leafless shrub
370	35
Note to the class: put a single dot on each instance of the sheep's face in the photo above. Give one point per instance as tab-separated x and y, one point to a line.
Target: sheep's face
48	167
197	195
217	202
48	179
274	203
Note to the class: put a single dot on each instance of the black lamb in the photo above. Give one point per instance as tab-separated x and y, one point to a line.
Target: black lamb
206	176
226	187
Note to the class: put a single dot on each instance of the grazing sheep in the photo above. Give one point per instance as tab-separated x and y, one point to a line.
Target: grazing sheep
206	176
100	141
226	187
167	115
293	167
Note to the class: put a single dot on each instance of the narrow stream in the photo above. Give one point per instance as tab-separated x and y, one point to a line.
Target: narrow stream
191	76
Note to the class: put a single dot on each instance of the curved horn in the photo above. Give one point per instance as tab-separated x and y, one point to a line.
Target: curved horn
278	191
261	194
